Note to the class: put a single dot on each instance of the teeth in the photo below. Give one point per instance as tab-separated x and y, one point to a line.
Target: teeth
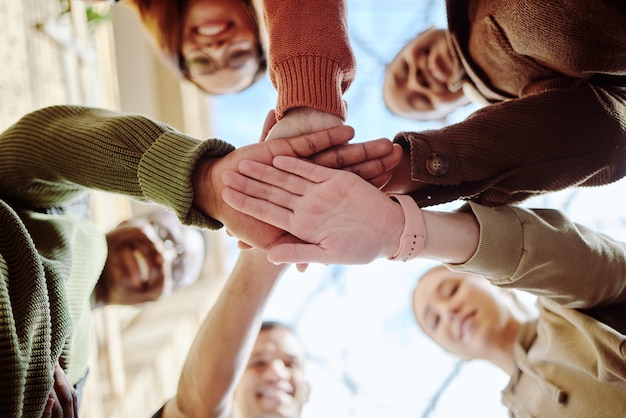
142	263
211	30
274	392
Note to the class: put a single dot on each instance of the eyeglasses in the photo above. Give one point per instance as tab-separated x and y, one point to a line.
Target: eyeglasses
171	245
236	56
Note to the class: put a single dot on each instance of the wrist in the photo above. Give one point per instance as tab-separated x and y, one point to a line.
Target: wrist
207	188
320	119
413	235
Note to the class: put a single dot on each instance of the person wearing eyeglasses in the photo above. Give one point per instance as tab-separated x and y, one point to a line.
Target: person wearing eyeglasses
219	45
149	257
225	46
551	79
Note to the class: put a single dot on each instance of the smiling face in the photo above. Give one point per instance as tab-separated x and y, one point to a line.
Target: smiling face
148	257
220	46
416	81
463	313
274	384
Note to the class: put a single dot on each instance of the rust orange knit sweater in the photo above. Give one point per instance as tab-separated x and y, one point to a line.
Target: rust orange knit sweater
311	64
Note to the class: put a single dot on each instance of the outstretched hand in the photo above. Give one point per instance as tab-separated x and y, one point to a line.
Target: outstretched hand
341	218
208	186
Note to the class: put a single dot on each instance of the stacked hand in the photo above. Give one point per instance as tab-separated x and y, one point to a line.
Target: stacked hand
339	217
371	160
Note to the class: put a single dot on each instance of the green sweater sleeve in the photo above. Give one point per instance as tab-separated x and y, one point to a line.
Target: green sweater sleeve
51	156
49	264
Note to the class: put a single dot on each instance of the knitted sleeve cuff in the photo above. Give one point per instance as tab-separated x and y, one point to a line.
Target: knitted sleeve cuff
310	81
165	173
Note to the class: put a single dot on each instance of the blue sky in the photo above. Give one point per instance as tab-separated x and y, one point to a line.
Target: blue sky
368	358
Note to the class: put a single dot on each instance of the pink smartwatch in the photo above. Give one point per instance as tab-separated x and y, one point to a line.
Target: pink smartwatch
414	231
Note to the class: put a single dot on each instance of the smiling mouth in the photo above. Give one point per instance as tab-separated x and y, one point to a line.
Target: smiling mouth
275	393
212	29
438	74
465	322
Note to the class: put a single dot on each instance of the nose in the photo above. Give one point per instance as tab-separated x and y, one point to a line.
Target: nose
217	51
416	78
276	370
211	45
449	309
452	314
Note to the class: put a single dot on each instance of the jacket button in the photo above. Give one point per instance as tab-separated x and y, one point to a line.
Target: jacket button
437	164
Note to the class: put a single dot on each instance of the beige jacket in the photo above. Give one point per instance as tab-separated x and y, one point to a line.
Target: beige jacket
572	358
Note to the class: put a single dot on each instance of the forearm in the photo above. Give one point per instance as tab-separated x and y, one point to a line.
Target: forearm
311	62
543	252
224	342
52	154
506	152
452	237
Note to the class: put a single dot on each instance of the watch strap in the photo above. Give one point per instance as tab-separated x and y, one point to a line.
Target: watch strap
414	231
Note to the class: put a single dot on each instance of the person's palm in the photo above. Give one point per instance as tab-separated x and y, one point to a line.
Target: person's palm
344	232
340	216
208	184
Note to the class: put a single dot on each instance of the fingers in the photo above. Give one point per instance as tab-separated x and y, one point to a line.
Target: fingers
380	158
62	402
300	253
392	160
312	143
66	395
294	166
258	208
350	154
381	181
268	124
241	245
269	188
47	412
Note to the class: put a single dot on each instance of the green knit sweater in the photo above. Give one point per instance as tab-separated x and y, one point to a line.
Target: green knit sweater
49	263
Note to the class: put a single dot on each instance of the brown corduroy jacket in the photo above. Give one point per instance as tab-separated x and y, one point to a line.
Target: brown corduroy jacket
555	73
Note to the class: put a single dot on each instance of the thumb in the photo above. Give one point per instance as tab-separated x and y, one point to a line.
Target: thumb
268	124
